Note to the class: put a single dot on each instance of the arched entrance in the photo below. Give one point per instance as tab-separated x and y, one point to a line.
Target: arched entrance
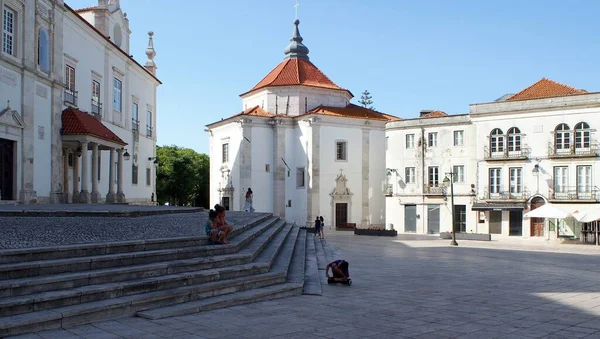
537	224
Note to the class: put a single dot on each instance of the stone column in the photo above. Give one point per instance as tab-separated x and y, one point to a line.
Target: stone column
279	171
110	196
75	179
120	194
95	193
66	175
84	195
365	218
57	72
314	164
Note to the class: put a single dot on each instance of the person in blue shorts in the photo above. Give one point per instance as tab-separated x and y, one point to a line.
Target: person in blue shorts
339	269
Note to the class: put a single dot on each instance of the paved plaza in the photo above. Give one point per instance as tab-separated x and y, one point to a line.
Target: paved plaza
410	287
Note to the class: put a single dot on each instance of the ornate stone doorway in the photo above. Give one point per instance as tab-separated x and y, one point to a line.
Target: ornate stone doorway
341	202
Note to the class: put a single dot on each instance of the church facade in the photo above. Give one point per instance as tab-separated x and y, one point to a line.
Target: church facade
302	148
77	112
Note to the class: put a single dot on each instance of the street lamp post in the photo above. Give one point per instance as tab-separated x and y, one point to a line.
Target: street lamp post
451	182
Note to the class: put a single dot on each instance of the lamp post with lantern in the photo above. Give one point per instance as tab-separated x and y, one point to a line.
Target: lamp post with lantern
450	182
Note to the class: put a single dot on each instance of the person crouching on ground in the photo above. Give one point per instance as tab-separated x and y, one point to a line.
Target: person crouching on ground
339	268
211	228
222	224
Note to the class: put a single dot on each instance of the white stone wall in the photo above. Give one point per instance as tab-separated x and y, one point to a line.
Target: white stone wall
377	177
42	140
275	99
230	133
261	156
96	59
444	156
296	157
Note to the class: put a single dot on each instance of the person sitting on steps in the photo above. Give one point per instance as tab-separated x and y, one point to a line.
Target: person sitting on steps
222	224
339	268
211	229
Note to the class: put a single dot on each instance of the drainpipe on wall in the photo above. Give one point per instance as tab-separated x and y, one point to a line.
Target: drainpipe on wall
423	140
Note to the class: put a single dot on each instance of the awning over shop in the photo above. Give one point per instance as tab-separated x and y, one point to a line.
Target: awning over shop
484	206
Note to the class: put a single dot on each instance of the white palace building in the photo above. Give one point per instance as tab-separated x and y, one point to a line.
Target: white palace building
306	151
77	112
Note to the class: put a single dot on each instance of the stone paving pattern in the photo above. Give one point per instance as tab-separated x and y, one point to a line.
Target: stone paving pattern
410	287
24	232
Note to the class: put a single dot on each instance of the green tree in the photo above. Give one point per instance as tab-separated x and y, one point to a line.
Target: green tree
183	176
365	100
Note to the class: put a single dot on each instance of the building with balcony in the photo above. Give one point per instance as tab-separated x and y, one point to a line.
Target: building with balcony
73	94
537	146
420	153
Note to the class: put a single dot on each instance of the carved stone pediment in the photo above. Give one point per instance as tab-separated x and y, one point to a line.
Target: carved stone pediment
341	192
12	118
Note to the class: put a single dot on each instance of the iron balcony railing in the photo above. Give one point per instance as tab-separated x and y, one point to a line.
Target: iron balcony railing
593	150
522	153
70	97
575	193
517	194
148	131
135	125
434	190
96	107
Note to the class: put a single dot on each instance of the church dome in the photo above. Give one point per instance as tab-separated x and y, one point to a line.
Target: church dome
296	48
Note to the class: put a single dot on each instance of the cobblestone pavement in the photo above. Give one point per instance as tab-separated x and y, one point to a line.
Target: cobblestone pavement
24	232
410	287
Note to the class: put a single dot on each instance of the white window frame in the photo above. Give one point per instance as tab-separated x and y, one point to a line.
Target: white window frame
96	92
117	93
149	127
344	155
135	116
70	77
432	139
459	138
561	179
225	152
300	177
495	180
515	180
409	175
433	176
497	141
410	141
148	176
514	140
11	35
459	174
584	179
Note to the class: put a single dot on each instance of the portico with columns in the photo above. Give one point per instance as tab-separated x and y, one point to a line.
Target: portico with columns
83	136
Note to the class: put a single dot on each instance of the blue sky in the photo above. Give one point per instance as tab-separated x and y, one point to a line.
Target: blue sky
411	55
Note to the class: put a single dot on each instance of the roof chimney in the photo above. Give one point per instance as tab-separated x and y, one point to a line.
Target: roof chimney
424	112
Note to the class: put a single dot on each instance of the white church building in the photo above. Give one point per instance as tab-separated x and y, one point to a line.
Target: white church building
302	147
77	112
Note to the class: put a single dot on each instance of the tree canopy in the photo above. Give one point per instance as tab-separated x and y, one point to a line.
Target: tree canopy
183	176
365	100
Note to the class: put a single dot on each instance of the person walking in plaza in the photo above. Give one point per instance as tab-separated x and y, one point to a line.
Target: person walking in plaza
249	196
322	227
317	227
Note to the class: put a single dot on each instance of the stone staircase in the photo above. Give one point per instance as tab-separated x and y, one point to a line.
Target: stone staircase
65	286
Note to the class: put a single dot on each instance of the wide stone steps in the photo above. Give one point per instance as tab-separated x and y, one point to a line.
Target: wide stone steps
103	261
288	261
258	271
312	282
20	255
89	293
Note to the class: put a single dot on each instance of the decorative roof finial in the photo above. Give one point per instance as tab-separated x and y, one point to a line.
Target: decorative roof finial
151	53
296	50
296	7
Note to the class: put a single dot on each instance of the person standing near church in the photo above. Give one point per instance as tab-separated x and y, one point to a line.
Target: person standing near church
249	196
322	227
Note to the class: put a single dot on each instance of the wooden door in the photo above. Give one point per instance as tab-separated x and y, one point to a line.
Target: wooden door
341	214
537	224
410	218
6	169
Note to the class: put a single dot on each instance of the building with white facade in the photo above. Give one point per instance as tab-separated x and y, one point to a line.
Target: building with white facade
302	147
77	112
536	147
420	153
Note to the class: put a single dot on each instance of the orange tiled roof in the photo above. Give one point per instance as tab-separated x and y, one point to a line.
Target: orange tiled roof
297	72
353	111
257	111
545	88
434	114
76	122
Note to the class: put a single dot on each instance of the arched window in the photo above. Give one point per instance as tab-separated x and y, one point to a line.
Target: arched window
44	50
582	135
562	137
496	141
514	140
